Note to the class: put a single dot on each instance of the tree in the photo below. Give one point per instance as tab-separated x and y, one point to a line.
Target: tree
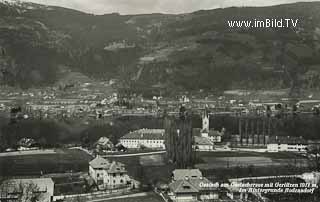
179	140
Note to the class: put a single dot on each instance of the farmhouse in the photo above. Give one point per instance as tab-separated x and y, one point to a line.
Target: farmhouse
27	144
149	138
108	175
287	144
16	189
202	144
189	185
104	144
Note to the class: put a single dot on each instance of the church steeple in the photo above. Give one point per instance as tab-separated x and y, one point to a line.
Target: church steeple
205	123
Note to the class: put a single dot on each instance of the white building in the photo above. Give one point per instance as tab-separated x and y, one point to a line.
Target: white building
12	190
108	175
149	138
214	135
202	144
188	185
287	144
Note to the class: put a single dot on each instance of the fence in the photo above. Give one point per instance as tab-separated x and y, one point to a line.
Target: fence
93	195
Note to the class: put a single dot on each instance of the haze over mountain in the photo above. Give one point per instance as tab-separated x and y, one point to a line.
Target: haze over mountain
180	52
99	7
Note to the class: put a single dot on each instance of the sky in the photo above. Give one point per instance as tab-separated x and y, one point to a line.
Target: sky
155	6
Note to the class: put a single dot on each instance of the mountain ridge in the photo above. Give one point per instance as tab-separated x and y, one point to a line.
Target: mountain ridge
167	49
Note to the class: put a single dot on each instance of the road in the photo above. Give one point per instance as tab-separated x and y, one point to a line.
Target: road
120	197
31	152
137	154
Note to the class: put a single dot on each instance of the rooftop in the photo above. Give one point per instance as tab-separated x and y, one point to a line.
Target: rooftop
146	134
99	163
43	184
286	140
190	185
202	141
180	174
113	167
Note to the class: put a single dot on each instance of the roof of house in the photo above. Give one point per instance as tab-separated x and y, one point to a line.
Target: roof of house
190	185
215	133
99	162
104	142
180	174
41	184
202	141
113	167
146	134
182	186
116	167
26	142
286	140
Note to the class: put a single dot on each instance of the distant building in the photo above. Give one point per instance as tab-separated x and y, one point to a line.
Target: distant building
202	144
104	144
213	135
27	144
204	138
18	189
149	138
188	185
108	175
287	144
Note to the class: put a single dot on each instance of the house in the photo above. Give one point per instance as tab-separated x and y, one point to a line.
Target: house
18	189
216	136
189	185
108	175
104	144
202	144
287	144
27	144
149	138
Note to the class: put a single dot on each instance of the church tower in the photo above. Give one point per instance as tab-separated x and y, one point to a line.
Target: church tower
205	124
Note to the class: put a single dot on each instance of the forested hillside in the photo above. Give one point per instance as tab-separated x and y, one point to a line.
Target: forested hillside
181	52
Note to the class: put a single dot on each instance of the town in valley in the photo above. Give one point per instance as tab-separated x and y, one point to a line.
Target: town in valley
158	107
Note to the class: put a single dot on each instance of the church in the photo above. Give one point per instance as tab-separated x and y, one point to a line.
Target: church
205	138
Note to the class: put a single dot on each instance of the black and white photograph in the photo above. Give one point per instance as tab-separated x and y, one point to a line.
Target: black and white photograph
159	101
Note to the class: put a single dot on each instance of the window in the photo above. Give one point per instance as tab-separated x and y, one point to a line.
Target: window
121	181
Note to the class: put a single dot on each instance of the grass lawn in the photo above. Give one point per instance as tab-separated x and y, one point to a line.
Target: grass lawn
278	155
146	171
32	165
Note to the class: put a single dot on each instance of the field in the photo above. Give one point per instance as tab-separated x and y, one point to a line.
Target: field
148	169
33	165
220	166
213	160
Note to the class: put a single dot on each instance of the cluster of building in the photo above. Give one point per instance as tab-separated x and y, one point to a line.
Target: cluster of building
106	175
203	138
